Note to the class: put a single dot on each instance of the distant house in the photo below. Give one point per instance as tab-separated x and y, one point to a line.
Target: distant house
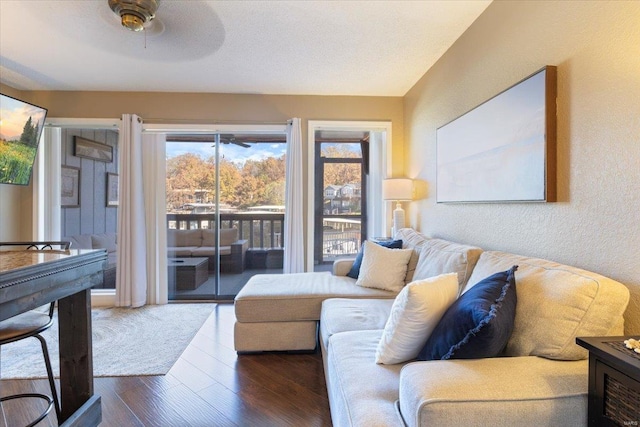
350	190
339	199
332	191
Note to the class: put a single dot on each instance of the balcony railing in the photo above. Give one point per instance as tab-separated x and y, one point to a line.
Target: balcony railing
262	230
265	230
340	243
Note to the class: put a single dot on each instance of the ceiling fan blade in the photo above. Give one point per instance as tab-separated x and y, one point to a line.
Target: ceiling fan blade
241	144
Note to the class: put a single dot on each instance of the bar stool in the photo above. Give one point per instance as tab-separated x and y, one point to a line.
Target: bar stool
32	324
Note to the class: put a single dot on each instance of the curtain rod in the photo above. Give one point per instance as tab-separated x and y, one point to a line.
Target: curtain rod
214	122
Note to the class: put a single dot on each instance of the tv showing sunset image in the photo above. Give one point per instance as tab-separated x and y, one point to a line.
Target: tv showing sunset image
21	125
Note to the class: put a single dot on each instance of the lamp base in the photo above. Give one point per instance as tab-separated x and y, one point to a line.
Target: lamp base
398	219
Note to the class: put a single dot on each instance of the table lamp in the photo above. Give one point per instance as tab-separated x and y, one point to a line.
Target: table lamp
398	189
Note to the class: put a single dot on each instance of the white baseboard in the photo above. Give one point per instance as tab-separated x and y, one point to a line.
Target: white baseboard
103	298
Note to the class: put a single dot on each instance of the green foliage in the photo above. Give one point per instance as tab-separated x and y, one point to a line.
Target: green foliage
29	135
15	162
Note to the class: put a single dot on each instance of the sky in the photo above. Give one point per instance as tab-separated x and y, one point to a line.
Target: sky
14	114
231	152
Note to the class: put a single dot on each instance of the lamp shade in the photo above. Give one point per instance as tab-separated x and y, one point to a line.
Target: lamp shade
397	189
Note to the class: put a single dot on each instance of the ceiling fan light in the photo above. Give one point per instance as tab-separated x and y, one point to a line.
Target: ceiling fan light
134	14
132	22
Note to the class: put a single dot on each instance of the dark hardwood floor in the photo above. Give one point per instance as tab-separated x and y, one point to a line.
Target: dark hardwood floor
208	386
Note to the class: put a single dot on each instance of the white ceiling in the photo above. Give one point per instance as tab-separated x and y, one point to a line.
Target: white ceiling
268	47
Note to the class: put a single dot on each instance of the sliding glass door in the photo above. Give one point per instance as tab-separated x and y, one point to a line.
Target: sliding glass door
225	211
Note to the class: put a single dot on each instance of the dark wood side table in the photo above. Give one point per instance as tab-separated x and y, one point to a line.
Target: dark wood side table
614	382
187	274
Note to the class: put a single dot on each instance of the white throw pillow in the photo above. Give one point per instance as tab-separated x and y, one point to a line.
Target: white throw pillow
415	313
383	268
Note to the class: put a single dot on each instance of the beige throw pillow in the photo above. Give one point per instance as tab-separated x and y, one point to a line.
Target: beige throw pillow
383	268
415	313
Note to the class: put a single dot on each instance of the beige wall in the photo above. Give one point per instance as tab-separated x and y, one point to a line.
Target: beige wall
207	108
596	46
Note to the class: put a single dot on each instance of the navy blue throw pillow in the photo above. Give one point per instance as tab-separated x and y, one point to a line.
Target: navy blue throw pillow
355	268
478	324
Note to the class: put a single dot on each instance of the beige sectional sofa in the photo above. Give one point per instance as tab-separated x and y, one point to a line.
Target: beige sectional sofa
540	380
201	243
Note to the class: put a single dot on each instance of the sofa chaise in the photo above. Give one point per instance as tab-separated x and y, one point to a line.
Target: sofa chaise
539	379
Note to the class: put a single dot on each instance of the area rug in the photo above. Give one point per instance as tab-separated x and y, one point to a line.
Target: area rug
126	342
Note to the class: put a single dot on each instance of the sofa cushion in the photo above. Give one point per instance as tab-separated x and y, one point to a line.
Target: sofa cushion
478	324
439	256
556	304
79	241
383	268
415	313
208	237
184	237
350	314
227	237
361	392
497	392
180	251
298	296
355	267
104	241
210	251
411	239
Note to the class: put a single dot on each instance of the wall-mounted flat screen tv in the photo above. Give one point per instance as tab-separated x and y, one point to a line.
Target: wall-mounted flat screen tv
21	125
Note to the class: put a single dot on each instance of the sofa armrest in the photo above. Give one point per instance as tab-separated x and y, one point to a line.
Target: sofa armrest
239	246
501	391
342	266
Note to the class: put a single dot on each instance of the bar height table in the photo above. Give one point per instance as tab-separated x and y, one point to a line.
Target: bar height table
30	279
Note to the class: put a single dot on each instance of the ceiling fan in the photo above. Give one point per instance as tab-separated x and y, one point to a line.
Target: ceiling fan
224	139
134	14
231	139
164	22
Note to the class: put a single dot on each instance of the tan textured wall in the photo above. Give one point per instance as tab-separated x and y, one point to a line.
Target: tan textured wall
595	224
218	108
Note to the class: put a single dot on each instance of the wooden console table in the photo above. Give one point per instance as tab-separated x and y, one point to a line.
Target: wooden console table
30	279
614	382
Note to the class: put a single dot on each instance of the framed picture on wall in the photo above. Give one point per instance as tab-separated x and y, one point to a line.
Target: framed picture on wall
70	187
504	150
92	150
112	189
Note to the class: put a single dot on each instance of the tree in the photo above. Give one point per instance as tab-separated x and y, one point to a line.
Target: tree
247	192
341	173
29	134
230	179
187	173
256	182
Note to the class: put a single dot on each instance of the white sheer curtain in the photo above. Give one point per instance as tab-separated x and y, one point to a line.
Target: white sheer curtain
46	186
131	280
294	216
154	168
142	276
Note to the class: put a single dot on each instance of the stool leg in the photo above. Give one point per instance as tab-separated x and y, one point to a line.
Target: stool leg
52	384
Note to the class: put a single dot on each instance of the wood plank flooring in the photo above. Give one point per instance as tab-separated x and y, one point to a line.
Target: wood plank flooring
208	386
